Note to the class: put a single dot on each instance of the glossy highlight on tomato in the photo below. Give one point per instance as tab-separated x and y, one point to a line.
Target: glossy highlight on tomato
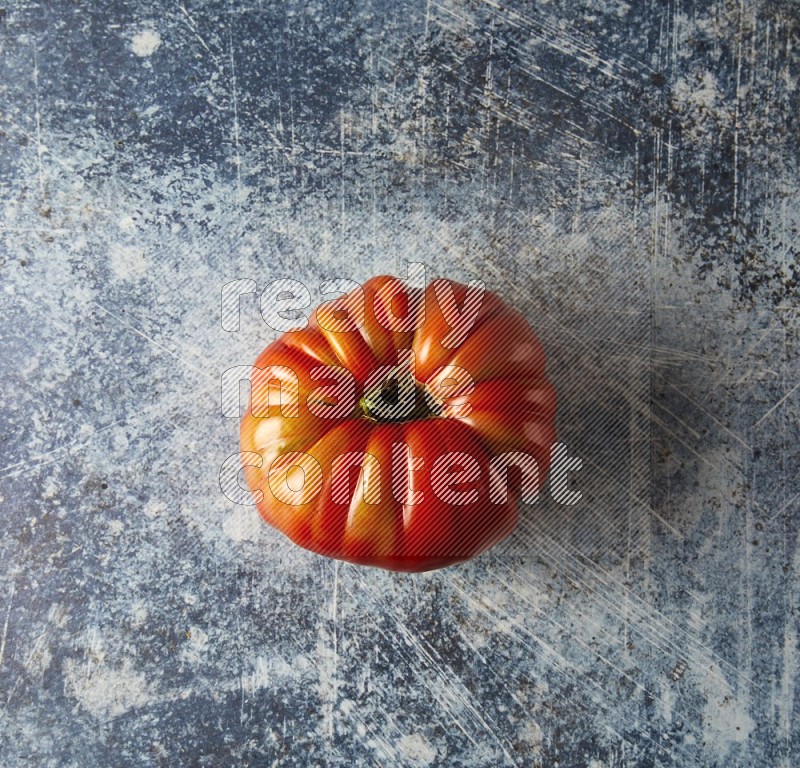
344	471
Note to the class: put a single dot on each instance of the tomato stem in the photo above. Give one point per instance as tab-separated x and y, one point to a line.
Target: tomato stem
389	403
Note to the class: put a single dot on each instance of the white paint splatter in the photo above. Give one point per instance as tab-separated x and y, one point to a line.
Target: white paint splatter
154	508
50	490
531	734
107	692
139	613
128	261
244	524
194	650
702	93
725	717
146	42
417	749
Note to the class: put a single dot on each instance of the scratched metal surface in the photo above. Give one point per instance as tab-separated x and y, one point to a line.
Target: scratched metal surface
626	174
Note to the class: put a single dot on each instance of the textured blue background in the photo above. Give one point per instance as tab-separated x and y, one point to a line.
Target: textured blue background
624	173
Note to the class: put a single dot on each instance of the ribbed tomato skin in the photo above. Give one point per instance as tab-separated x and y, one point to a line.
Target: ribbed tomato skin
384	515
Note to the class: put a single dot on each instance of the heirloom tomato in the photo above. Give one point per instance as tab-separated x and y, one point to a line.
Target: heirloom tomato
400	426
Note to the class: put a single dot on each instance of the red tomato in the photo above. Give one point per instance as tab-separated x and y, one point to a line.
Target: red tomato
405	467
